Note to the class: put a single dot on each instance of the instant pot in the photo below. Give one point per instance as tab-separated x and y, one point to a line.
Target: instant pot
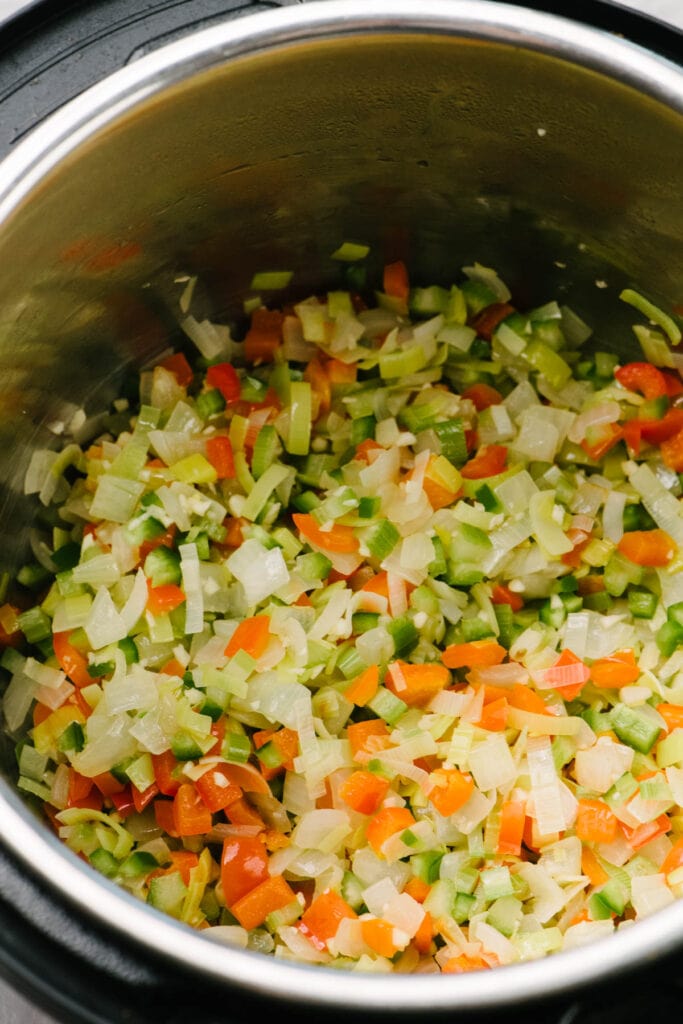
546	139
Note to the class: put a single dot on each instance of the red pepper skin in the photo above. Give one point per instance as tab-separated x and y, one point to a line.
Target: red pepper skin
219	453
642	377
244	865
658	431
224	377
488	461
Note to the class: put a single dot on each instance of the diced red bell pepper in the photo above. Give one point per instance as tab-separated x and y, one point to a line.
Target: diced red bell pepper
219	453
142	799
672	452
642	377
191	816
216	790
124	802
601	439
165	773
488	461
178	365
223	376
244	865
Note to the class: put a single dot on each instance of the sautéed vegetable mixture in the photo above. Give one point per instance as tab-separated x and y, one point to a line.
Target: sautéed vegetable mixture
359	641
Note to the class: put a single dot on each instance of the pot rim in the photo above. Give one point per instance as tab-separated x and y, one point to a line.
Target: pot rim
60	871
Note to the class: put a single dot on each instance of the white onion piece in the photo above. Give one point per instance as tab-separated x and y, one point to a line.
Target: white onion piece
599	767
650	893
104	624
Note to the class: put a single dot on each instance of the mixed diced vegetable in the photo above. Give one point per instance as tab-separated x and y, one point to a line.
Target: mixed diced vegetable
359	641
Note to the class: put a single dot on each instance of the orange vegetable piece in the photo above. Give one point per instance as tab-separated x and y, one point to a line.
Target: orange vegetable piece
264	336
489	461
251	635
526	699
653	548
616	670
475	654
163	599
364	448
671	450
462	964
319	923
79	793
216	790
71	661
416	684
108	784
494	716
10	634
568	675
642	377
380	935
219	454
493	693
673	859
386	823
422	939
395	280
482	395
320	385
364	791
451	791
511	832
645	833
438	495
379	584
163	812
590	866
253	908
342	373
501	594
191	816
672	715
164	540
40	713
173	667
340	539
286	742
241	812
364	687
418	889
608	435
182	861
486	321
178	365
166	768
244	865
142	798
233	531
595	822
359	733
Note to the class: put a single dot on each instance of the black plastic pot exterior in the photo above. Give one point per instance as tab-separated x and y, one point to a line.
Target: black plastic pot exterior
70	940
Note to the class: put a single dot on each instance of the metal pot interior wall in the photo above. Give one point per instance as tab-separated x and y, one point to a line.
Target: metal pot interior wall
438	150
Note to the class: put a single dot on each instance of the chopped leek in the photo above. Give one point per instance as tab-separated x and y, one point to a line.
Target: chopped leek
394	614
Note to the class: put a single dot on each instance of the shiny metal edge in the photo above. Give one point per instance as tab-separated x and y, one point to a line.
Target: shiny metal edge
81	120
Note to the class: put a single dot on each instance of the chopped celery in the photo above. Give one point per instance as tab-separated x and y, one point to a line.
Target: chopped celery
271	280
162	566
350	252
423	474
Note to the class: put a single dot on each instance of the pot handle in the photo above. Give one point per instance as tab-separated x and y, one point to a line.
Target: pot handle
51	53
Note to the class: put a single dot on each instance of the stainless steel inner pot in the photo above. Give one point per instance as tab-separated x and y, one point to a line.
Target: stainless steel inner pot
438	132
